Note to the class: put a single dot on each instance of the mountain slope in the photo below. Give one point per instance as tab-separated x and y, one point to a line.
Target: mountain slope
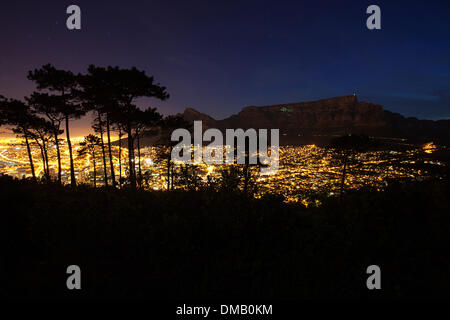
318	121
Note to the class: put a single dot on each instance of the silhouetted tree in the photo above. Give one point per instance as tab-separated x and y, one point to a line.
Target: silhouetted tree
89	146
230	179
250	171
189	177
131	84
64	83
118	128
168	125
99	94
346	148
41	130
3	119
99	128
17	114
145	124
50	107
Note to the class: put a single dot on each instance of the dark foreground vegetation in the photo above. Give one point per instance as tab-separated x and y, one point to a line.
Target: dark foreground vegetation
209	244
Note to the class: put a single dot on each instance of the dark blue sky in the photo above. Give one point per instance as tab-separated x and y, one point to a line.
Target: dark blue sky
218	57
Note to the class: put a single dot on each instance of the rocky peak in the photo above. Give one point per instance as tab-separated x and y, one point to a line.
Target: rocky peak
191	114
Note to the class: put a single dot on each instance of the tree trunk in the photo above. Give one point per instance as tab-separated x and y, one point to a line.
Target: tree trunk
43	162
105	170
120	157
73	182
344	172
139	160
171	177
58	154
246	176
43	157
30	157
44	147
131	158
105	167
168	170
113	178
95	169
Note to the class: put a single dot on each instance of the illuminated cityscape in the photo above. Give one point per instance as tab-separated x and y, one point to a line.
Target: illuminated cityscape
303	170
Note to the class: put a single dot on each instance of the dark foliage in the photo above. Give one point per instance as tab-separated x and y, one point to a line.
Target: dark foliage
209	244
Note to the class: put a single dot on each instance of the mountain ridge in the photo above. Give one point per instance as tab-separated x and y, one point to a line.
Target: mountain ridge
305	122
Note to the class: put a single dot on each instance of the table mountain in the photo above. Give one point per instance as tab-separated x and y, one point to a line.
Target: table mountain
318	121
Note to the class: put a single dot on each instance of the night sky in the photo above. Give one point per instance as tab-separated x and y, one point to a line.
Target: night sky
219	56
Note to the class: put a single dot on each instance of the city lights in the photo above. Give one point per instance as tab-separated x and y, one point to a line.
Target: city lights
303	169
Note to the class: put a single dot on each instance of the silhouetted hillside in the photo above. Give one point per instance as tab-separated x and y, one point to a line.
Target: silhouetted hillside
213	245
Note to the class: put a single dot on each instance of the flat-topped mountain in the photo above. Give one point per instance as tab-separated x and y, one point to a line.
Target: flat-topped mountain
318	121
